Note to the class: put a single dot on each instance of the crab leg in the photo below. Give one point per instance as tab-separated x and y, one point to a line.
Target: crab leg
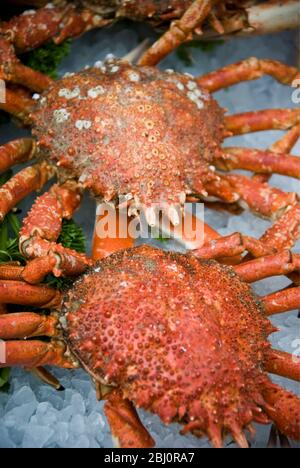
17	292
284	145
246	70
16	152
283	364
40	231
26	33
221	189
34	272
31	354
260	198
283	408
126	427
45	376
266	162
283	234
269	119
282	301
22	184
179	32
273	265
11	69
235	244
17	105
27	325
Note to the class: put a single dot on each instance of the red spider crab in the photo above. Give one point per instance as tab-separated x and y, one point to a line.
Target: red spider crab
181	336
154	137
63	19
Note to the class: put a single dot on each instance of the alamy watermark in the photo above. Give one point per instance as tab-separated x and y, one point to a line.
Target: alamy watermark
157	220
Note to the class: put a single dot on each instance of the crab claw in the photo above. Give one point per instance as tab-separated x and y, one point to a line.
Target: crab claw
126	427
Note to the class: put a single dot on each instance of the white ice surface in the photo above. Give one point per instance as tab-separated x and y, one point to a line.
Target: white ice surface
32	414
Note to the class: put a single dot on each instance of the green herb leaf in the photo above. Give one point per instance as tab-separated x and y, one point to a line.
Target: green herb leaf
47	58
72	237
4	379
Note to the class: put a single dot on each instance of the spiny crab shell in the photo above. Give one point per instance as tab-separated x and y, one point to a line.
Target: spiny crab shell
125	130
181	337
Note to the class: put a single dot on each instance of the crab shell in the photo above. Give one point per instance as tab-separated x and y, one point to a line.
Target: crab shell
181	337
124	130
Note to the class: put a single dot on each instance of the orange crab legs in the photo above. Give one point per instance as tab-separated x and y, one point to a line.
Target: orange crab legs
12	70
18	292
33	354
16	152
246	70
22	184
41	229
283	364
284	145
266	162
27	325
259	197
25	31
281	263
179	32
269	119
283	408
127	429
282	301
17	104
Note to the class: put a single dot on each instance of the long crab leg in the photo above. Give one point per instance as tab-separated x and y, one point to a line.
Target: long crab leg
179	32
17	105
34	272
41	229
266	162
20	293
272	265
282	301
27	325
16	152
235	244
269	119
259	197
26	33
12	70
283	364
283	234
282	146
32	354
247	70
45	376
22	184
283	408
126	427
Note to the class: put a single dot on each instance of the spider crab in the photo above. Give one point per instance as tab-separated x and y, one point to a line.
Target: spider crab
179	335
64	19
198	355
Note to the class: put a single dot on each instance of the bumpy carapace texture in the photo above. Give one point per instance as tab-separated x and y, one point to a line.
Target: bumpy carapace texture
125	130
181	337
